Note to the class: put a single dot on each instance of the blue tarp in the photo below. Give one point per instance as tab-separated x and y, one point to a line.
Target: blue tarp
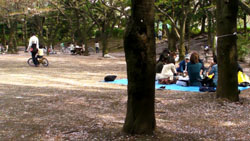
169	87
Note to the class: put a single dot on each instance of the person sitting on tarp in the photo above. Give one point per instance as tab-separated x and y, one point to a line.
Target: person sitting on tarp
213	73
160	63
194	68
167	75
183	65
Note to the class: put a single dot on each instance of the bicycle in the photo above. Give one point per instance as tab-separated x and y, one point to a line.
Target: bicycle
41	60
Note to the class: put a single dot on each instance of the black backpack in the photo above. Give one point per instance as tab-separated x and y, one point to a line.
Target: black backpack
110	78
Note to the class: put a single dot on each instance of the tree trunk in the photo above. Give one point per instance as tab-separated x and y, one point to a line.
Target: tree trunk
210	35
104	37
172	39
139	45
182	39
203	24
183	28
4	37
245	24
12	43
25	33
227	49
187	32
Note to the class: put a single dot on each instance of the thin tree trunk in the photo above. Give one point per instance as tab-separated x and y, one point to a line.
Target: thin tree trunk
203	25
245	24
104	38
227	50
25	33
182	39
185	6
172	39
12	43
210	34
139	44
4	36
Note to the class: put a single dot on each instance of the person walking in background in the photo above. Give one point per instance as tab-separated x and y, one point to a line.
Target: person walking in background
33	48
160	34
62	47
97	47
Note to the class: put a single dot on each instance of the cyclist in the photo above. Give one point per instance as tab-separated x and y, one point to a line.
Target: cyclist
33	48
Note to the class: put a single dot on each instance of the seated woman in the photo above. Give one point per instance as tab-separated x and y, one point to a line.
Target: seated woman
160	63
168	70
194	70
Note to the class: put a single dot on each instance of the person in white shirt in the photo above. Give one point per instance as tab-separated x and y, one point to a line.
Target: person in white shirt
33	48
168	70
72	49
160	34
97	47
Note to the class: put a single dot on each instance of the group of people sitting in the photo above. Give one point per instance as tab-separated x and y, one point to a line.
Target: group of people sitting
191	68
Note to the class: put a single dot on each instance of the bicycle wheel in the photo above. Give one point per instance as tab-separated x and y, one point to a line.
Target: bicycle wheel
44	62
30	62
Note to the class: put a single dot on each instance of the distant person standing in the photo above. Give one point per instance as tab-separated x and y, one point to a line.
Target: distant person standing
33	48
97	47
62	47
160	34
7	48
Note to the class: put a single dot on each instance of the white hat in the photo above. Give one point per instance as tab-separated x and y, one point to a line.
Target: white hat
187	56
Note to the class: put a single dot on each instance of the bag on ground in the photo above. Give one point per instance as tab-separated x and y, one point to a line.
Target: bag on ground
110	78
242	77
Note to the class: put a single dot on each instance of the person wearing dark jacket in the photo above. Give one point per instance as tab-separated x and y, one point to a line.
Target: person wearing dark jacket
160	63
183	65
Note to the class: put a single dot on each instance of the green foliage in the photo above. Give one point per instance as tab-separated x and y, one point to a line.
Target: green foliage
243	47
118	33
97	34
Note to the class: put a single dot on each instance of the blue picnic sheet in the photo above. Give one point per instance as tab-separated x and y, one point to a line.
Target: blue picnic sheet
169	87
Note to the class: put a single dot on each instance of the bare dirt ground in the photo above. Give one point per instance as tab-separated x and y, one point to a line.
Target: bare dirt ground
68	101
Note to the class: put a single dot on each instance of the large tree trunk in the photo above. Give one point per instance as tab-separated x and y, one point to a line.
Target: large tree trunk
227	49
139	44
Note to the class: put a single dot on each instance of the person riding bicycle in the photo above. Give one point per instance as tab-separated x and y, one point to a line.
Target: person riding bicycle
33	48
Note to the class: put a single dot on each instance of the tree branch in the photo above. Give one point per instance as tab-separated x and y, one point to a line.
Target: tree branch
244	7
171	20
